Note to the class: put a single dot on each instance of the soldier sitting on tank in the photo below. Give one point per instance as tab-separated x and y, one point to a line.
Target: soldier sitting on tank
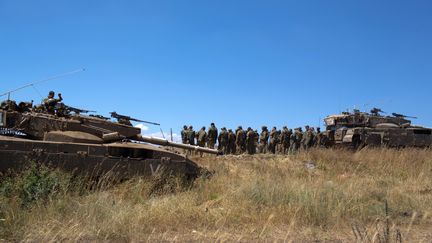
50	102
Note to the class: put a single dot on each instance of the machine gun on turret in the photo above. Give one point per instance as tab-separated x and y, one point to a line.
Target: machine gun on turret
76	110
403	116
122	119
376	111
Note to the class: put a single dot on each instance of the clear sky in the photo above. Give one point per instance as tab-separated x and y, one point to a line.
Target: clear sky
230	62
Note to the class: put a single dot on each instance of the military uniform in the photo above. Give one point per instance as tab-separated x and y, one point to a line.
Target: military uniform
231	142
298	138
285	140
202	137
304	136
293	141
256	138
263	140
250	141
223	141
50	102
191	136
279	141
240	140
273	140
184	135
212	136
309	139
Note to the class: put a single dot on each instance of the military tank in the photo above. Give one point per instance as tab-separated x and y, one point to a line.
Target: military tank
359	129
91	144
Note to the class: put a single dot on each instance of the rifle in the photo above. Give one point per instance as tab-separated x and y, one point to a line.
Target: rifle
128	118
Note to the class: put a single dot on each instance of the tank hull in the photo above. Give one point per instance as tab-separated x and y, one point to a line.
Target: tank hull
389	137
123	160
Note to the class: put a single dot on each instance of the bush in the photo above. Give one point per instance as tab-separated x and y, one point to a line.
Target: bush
37	183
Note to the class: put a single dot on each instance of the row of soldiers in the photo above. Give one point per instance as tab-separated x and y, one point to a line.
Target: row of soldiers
250	141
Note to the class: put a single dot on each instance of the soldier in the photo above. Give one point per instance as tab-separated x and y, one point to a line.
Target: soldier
212	136
50	102
223	141
256	138
293	141
279	141
263	140
202	137
309	138
191	135
231	142
184	135
250	141
298	138
318	137
273	140
303	141
240	140
285	139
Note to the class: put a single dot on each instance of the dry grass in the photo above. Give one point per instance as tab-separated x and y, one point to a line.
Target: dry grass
341	196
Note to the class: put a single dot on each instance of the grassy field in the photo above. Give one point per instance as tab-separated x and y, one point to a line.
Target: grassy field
374	195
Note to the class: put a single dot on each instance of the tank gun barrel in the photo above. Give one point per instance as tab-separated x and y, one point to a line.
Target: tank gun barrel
164	142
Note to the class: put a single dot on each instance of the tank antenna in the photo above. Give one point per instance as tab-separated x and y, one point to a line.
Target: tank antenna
41	81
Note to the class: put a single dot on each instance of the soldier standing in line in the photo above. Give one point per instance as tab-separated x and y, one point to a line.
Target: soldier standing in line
292	141
303	141
263	140
212	136
309	139
285	140
202	137
250	140
256	138
299	138
191	136
240	140
223	141
273	140
231	142
279	141
318	137
184	135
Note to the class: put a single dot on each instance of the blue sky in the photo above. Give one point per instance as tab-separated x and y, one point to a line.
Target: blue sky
229	62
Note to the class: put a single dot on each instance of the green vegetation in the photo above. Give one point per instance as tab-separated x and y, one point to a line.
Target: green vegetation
343	195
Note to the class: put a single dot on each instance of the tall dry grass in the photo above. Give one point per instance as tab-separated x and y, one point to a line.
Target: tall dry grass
320	194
